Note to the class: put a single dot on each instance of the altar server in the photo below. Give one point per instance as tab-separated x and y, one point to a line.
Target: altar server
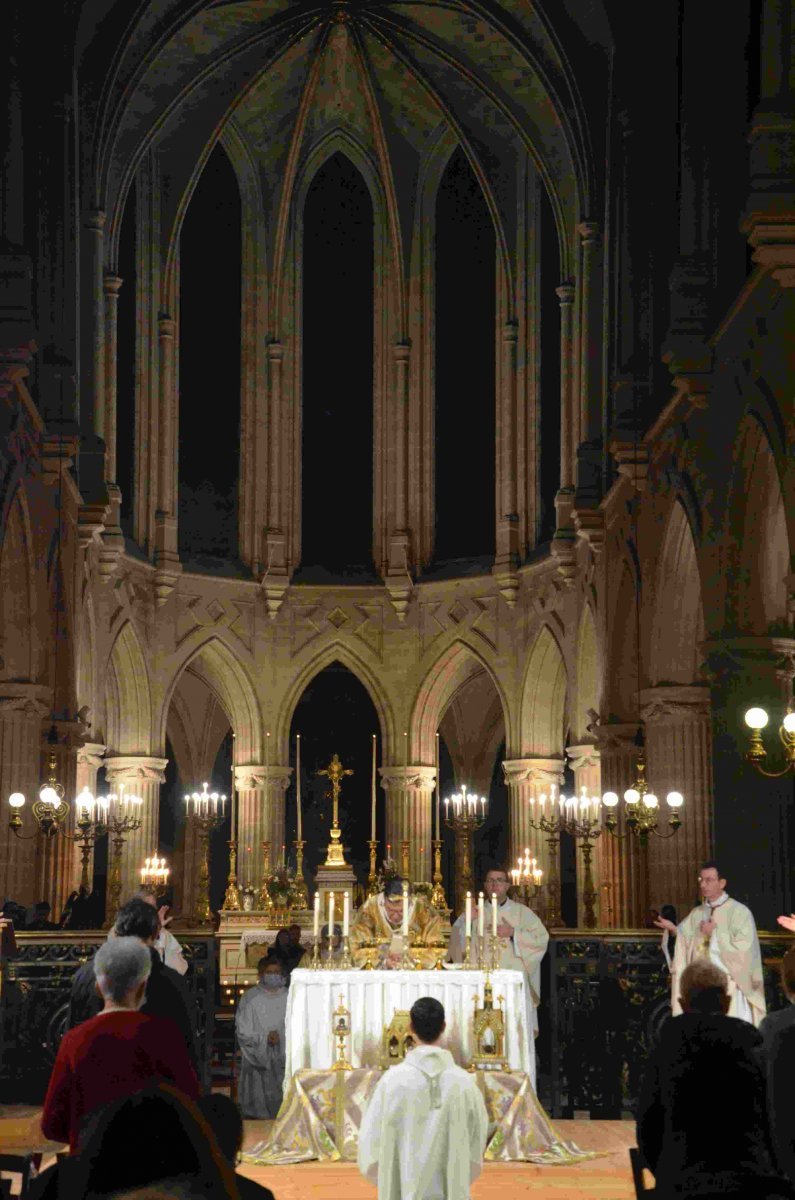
424	1129
521	937
260	1027
380	920
722	931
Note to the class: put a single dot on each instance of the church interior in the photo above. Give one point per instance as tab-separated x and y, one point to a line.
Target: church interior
511	587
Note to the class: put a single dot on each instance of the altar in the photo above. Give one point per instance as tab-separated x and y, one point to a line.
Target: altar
372	997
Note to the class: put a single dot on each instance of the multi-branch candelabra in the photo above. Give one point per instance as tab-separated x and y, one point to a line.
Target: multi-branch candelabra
526	878
641	807
756	719
121	815
205	811
464	813
551	821
583	822
154	876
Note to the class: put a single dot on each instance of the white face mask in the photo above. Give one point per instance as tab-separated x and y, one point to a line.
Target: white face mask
272	982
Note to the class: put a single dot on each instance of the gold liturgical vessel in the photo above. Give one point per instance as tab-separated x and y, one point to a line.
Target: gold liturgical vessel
342	1031
488	1028
396	1039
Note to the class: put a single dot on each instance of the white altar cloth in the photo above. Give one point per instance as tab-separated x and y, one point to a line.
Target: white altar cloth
373	997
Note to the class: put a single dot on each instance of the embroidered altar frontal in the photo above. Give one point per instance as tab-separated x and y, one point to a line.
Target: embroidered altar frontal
322	1112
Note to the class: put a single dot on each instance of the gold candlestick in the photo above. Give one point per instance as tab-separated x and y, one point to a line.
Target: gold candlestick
438	898
372	878
232	894
315	965
265	902
468	952
204	826
405	846
406	961
345	962
300	882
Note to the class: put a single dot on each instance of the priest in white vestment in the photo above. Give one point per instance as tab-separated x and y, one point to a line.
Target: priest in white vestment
522	942
723	931
424	1129
260	1028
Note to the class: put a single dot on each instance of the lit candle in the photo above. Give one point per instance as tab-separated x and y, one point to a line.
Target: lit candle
331	915
346	913
481	915
232	805
405	754
316	925
405	909
438	804
298	785
515	876
267	767
468	917
483	806
372	797
493	916
542	799
447	808
389	849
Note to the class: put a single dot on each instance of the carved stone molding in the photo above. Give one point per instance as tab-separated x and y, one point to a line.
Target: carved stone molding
585	755
615	738
134	768
91	754
252	777
536	772
421	779
26	699
675	703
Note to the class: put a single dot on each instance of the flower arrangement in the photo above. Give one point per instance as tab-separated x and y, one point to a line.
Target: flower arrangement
282	891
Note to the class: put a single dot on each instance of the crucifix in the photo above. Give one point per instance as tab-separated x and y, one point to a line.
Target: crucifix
335	772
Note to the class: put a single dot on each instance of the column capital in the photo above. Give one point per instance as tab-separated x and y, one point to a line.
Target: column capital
585	755
131	768
27	699
588	231
252	778
675	704
616	738
533	771
275	351
95	219
91	754
565	294
407	778
402	350
112	283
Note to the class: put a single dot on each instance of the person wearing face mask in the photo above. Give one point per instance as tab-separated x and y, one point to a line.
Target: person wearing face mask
260	1028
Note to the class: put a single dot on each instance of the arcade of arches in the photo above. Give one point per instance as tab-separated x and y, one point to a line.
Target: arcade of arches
399	369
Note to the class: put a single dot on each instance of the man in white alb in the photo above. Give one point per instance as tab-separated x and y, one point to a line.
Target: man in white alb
424	1129
723	931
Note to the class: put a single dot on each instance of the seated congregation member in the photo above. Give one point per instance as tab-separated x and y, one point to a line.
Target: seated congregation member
117	1052
156	1139
782	1018
260	1028
424	1128
336	947
166	995
166	944
40	921
226	1121
702	1122
380	919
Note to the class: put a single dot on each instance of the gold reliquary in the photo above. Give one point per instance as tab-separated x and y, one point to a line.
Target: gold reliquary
488	1032
396	1039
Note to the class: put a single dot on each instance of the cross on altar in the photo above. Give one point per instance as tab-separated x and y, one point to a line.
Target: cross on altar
335	772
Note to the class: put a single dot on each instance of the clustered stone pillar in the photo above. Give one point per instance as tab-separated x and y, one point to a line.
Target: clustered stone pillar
679	753
89	760
139	776
55	867
568	420
587	770
409	801
23	706
528	778
260	818
621	866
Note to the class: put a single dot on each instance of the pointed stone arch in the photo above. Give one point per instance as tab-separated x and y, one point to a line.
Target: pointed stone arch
364	672
678	628
543	711
128	702
224	673
447	675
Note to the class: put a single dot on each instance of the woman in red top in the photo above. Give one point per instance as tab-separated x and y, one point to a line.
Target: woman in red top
117	1052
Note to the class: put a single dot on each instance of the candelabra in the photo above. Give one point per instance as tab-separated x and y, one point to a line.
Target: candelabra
641	807
552	826
154	876
232	902
49	811
372	878
756	719
121	815
526	878
583	822
300	882
462	816
205	812
438	898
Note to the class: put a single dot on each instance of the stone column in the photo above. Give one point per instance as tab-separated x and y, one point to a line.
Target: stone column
507	534
260	818
23	707
140	776
590	381
622	862
752	814
409	803
167	561
568	420
679	754
398	551
587	770
90	757
529	778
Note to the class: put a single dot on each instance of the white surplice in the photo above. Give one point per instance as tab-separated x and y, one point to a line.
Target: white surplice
424	1129
733	946
261	1012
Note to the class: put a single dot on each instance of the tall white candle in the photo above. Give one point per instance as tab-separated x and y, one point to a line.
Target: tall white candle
405	910
233	806
346	913
468	917
438	801
267	767
331	914
372	796
494	916
481	915
298	784
316	925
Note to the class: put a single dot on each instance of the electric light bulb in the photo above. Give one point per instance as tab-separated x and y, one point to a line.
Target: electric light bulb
756	718
789	722
675	799
631	796
48	795
610	799
650	800
16	799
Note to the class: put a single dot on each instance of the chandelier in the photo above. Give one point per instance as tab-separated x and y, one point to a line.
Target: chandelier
49	811
641	806
756	719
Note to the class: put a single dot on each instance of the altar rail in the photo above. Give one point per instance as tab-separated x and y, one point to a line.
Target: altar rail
35	1003
605	995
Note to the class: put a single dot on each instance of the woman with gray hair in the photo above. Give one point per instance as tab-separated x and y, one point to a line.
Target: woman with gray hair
116	1053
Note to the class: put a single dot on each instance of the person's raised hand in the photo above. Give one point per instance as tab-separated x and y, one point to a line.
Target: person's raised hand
787	922
664	923
162	915
504	930
707	928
